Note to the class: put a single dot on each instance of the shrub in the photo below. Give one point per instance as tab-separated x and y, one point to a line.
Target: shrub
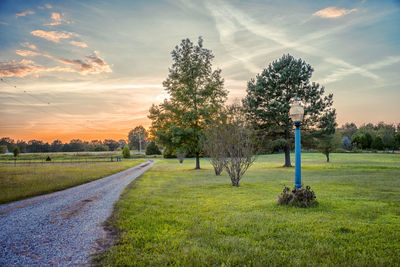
152	149
126	153
298	197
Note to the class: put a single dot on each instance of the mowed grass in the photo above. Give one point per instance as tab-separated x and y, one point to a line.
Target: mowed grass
27	180
175	215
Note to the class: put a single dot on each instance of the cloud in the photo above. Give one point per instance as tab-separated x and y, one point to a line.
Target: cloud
3	23
26	67
26	53
80	44
48	6
53	36
92	64
23	14
56	18
333	12
28	45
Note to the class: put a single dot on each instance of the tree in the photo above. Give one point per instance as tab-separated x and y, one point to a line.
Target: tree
239	144
138	138
328	140
377	143
152	149
7	142
268	99
56	146
111	144
329	144
196	93
126	153
214	146
346	143
348	129
16	151
3	149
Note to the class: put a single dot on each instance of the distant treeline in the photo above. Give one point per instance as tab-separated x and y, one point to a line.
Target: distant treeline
75	145
381	136
369	136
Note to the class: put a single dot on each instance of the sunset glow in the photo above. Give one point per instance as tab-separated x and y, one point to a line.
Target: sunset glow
92	69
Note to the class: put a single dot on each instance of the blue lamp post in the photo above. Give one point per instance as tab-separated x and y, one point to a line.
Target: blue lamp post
296	113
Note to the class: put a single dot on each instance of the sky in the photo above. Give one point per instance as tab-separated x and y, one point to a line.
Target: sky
92	69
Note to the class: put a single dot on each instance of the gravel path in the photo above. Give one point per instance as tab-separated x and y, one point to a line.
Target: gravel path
60	228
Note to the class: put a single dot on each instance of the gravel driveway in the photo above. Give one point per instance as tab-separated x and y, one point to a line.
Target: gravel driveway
60	228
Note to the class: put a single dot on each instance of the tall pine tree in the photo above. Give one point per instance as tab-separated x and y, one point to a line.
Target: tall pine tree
269	96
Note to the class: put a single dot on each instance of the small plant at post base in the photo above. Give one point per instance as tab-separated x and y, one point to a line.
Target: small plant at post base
298	197
126	153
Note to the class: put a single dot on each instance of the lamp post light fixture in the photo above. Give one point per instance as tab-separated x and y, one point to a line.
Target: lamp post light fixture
296	113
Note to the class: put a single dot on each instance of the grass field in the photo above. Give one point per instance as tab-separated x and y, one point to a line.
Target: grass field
22	181
175	215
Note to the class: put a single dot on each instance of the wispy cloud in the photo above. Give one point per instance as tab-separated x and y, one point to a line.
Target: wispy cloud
365	70
90	65
24	13
80	44
26	53
53	36
48	6
333	12
26	67
29	45
3	23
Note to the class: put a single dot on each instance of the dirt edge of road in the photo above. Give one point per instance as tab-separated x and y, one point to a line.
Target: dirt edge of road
111	232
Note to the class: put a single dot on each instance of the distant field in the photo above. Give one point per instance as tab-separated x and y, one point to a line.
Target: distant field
27	158
174	215
22	181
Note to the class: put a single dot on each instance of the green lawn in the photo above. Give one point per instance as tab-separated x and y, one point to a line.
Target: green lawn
27	180
175	215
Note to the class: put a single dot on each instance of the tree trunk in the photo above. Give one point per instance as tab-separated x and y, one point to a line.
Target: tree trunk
287	150
327	157
235	183
197	161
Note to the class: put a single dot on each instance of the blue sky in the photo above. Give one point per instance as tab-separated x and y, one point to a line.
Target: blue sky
91	69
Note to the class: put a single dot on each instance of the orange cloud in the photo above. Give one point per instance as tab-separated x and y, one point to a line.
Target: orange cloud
92	64
26	53
18	69
333	12
28	45
23	14
56	18
80	44
53	36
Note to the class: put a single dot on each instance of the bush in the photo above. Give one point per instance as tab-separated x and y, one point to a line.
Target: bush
152	149
298	197
126	153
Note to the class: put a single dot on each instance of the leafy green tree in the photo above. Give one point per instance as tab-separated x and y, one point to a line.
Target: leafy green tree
377	143
196	93
152	149
270	93
126	153
138	138
3	149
